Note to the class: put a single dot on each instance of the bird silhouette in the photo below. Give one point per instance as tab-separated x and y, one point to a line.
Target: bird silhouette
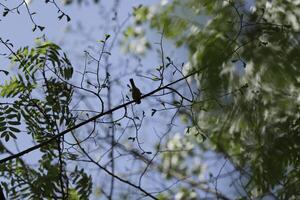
136	93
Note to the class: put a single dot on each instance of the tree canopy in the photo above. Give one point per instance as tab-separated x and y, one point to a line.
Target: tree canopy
237	93
247	53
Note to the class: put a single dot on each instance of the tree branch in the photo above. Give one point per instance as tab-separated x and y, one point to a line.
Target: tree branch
90	120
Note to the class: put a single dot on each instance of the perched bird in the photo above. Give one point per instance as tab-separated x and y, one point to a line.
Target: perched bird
136	93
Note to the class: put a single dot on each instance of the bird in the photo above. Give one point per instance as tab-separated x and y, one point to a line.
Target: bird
136	93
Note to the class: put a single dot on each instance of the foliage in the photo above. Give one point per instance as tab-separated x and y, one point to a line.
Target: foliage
43	117
249	105
243	56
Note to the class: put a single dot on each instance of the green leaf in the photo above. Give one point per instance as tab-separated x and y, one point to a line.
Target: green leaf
12	135
13	123
3	128
14	129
